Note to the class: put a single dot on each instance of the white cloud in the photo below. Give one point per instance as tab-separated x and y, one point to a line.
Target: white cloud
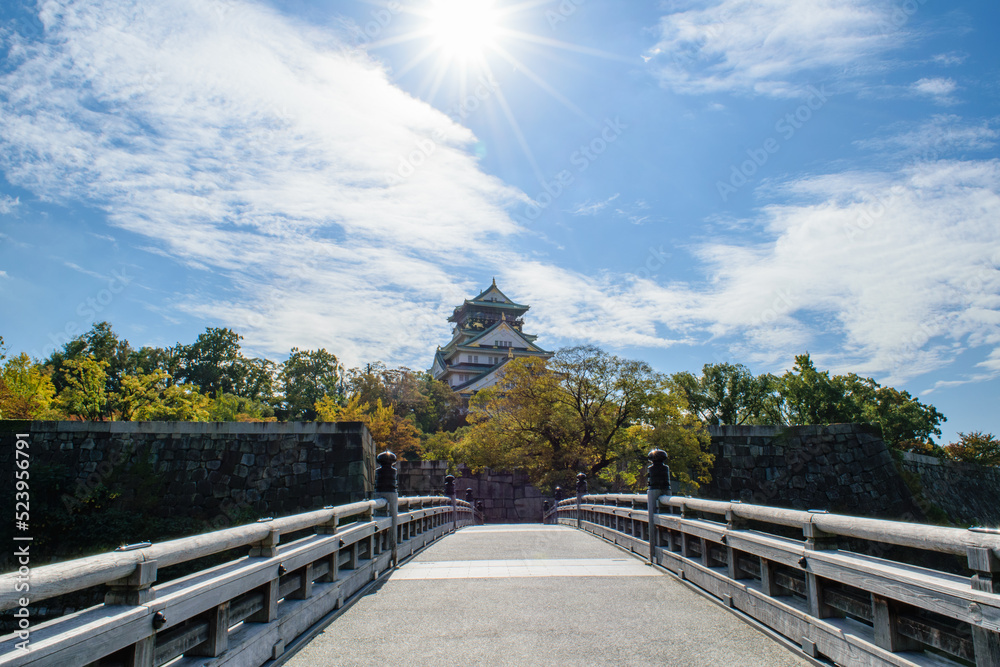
949	59
938	136
251	147
593	208
901	269
8	204
769	46
342	212
939	88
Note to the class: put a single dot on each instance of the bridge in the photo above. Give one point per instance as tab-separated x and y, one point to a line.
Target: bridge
608	579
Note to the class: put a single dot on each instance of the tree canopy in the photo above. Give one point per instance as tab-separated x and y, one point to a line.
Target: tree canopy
577	413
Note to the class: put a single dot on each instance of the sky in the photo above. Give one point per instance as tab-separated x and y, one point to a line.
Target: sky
684	182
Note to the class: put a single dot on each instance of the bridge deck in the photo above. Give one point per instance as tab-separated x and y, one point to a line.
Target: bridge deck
535	595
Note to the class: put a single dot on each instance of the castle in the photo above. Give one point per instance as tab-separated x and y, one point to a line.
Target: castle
487	334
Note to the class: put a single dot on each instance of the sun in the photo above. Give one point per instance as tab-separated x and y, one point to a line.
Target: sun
463	29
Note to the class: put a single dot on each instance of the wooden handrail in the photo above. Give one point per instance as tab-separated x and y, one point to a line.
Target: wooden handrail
941	539
60	578
800	587
289	586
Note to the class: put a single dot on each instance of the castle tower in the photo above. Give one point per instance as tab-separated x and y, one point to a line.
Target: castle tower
487	334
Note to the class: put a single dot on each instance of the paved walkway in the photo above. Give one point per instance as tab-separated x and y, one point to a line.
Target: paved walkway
535	595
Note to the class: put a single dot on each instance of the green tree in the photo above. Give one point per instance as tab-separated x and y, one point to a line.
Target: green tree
26	392
727	394
102	344
555	422
431	404
306	377
138	393
85	395
975	447
212	362
677	431
233	408
903	418
388	429
180	403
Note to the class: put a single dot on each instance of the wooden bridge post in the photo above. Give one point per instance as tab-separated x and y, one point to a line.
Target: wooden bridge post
387	488
449	490
135	588
817	540
734	522
557	493
581	491
658	484
984	563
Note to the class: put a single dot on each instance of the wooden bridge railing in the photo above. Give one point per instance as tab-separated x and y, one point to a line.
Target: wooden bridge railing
849	607
244	612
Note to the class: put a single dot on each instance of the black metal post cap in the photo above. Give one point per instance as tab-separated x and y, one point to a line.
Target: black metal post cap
581	482
558	493
468	495
658	474
449	485
385	475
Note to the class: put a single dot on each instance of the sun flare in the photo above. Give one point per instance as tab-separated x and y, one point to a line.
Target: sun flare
463	28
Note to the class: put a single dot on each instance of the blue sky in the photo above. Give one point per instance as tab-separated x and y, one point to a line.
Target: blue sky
683	182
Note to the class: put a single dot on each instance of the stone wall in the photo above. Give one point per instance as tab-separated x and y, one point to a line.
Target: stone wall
967	492
842	467
507	497
211	471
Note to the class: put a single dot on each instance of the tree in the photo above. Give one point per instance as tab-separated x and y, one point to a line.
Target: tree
812	397
150	359
903	418
677	431
389	430
975	447
431	403
102	344
138	393
808	396
306	377
85	395
177	403
727	394
555	422
233	408
26	392
211	362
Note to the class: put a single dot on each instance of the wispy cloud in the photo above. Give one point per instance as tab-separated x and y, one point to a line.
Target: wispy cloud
902	269
939	88
940	136
769	47
252	148
593	208
8	204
